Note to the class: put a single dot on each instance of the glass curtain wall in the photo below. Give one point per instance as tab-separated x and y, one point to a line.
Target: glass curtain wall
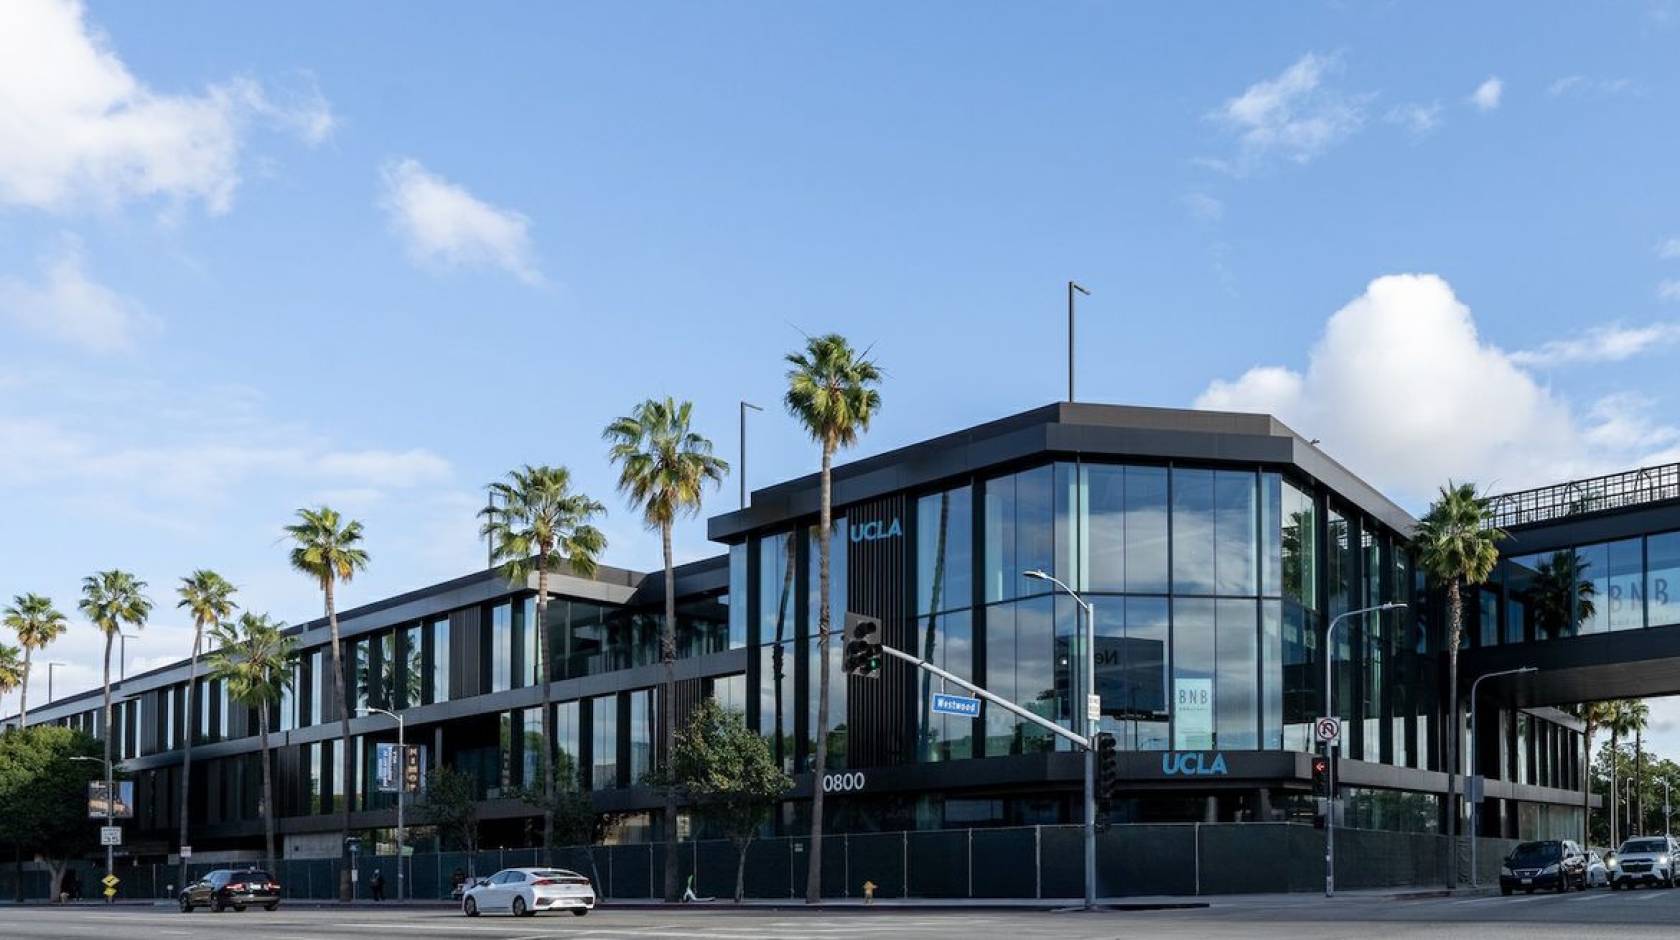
777	625
604	739
944	633
836	646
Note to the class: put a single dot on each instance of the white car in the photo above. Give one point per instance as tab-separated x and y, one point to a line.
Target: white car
1645	860
523	892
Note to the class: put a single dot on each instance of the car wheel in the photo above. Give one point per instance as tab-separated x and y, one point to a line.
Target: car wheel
186	905
519	907
579	911
239	908
469	907
271	906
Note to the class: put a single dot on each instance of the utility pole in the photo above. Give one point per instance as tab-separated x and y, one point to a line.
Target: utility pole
402	786
741	468
1071	287
1476	804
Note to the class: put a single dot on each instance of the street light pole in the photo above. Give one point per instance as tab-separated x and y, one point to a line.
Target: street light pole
1665	807
122	654
1072	286
1087	666
1476	804
50	668
1329	746
741	468
402	787
110	809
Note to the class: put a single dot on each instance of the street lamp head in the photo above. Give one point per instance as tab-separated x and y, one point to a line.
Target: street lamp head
1393	605
1037	574
1078	287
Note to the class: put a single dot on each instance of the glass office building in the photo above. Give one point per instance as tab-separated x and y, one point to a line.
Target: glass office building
1214	548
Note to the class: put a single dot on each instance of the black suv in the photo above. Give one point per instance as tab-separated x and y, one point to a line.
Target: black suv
1554	865
232	887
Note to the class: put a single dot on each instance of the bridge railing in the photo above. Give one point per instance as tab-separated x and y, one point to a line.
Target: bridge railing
1594	494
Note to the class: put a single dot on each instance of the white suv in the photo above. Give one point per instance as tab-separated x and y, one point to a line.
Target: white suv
1645	860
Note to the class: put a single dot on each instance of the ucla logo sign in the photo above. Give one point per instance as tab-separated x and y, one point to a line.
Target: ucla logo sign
876	530
1193	764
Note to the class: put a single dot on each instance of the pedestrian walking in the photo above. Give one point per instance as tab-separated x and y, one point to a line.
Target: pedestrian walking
376	885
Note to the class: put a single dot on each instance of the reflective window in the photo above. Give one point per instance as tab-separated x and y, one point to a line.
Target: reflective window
566	742
389	674
1624	595
1123	528
1132	636
1020	644
641	734
776	569
1662	580
1215	532
360	678
413	669
1193	673
1487	616
736	599
945	640
530	747
1019	532
1592	587
440	660
529	673
501	647
604	737
1271	674
945	551
836	759
1552	601
731	692
775	700
1299	522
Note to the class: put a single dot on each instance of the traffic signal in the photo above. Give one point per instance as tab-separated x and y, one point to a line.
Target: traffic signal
863	645
1321	776
1108	765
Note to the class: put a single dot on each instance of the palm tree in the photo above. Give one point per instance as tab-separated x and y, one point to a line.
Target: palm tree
831	391
36	624
111	599
1623	719
541	524
1458	545
664	467
253	660
1594	715
328	549
209	598
11	670
1639	718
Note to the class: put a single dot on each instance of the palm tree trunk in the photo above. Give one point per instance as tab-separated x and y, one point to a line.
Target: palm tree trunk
1586	782
342	692
547	708
189	725
813	876
23	692
268	788
668	710
1455	624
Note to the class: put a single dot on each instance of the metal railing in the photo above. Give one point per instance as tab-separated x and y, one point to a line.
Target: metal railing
1578	497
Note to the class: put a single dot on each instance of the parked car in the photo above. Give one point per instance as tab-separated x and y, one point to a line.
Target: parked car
1554	865
1598	871
525	891
1645	860
231	887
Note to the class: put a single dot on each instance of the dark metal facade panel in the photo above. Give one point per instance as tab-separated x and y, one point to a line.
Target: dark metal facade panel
877	586
466	653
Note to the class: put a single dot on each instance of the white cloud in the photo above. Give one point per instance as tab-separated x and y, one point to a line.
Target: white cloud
69	306
1400	387
1487	95
1204	208
1418	119
1582	86
1611	343
1292	115
1669	289
443	224
1668	249
76	126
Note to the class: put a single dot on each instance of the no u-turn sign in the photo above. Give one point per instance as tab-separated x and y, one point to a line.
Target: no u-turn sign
1329	730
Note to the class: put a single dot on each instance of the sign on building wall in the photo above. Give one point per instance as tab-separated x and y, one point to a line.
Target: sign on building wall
1193	713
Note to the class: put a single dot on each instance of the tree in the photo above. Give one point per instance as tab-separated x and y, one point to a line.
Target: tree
1458	545
1623	719
1594	715
451	805
576	820
112	599
254	663
542	525
36	623
730	776
328	549
1639	718
664	467
44	792
832	392
208	597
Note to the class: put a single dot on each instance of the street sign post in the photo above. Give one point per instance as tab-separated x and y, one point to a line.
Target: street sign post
960	705
186	851
110	835
1328	729
1093	707
110	882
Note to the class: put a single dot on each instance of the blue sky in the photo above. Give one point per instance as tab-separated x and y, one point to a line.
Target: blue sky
257	257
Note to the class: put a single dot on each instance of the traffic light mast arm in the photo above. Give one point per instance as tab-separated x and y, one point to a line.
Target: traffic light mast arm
997	700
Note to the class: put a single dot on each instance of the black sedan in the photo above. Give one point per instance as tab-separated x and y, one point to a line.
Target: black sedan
237	888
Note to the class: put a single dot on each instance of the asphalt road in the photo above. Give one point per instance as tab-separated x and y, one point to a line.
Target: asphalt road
1599	913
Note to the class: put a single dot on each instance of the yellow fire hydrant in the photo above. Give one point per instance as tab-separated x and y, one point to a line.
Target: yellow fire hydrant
869	892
